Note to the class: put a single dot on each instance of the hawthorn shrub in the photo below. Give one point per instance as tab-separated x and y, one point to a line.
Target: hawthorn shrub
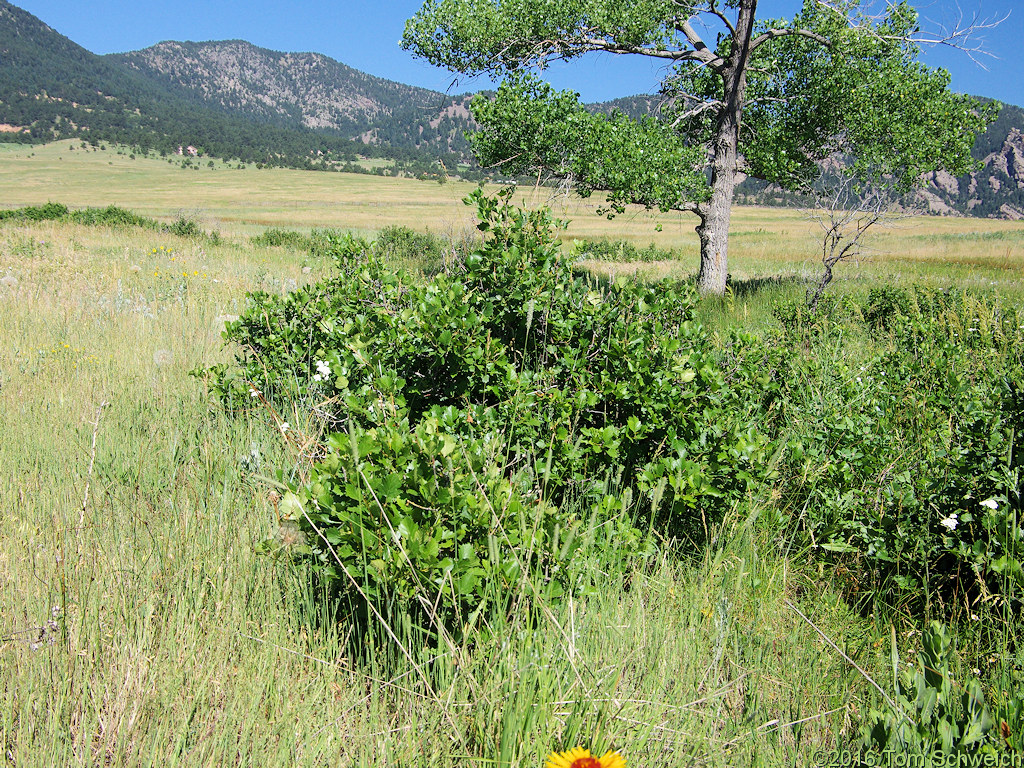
489	422
499	430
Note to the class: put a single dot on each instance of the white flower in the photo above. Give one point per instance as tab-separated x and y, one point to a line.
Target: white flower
990	504
950	522
317	377
253	392
284	427
323	369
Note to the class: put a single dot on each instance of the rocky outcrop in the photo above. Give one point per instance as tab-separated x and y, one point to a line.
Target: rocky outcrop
994	190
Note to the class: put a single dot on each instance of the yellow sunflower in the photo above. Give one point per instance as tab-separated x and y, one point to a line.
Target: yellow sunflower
581	758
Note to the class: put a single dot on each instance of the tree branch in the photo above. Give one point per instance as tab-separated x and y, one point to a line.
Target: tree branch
700	48
771	34
697	109
962	35
607	46
713	9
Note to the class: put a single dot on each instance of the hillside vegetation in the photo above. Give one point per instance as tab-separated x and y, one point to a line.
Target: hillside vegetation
308	90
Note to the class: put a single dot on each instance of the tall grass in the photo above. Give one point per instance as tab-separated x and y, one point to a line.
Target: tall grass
139	625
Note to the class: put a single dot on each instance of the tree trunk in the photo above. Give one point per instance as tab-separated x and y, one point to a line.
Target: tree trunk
716	214
713	229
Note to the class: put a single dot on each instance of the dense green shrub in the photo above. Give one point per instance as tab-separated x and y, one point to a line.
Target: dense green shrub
324	242
184	226
885	305
908	463
507	397
429	515
399	243
423	252
572	400
111	216
46	212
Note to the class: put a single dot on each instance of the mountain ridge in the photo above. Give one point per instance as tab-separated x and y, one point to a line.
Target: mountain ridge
306	89
236	100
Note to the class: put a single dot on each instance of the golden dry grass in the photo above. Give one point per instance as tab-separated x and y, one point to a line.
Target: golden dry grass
764	242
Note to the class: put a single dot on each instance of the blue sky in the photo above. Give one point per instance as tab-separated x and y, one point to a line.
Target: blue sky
365	36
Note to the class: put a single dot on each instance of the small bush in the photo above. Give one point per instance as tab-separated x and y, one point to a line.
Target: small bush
885	306
111	216
46	212
184	226
397	244
325	242
424	252
908	464
275	237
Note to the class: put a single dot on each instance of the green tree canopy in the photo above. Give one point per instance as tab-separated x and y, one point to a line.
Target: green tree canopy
769	98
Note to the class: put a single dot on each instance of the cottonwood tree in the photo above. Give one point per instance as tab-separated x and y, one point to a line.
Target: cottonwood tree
743	94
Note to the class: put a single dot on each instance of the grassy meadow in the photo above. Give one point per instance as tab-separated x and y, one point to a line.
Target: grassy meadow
138	624
764	242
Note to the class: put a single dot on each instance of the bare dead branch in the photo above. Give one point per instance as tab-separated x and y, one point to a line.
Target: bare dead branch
962	34
697	109
847	209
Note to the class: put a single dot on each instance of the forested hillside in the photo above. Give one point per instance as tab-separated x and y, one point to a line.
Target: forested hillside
307	90
52	88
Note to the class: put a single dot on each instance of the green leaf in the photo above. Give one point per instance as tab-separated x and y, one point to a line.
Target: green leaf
391	486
